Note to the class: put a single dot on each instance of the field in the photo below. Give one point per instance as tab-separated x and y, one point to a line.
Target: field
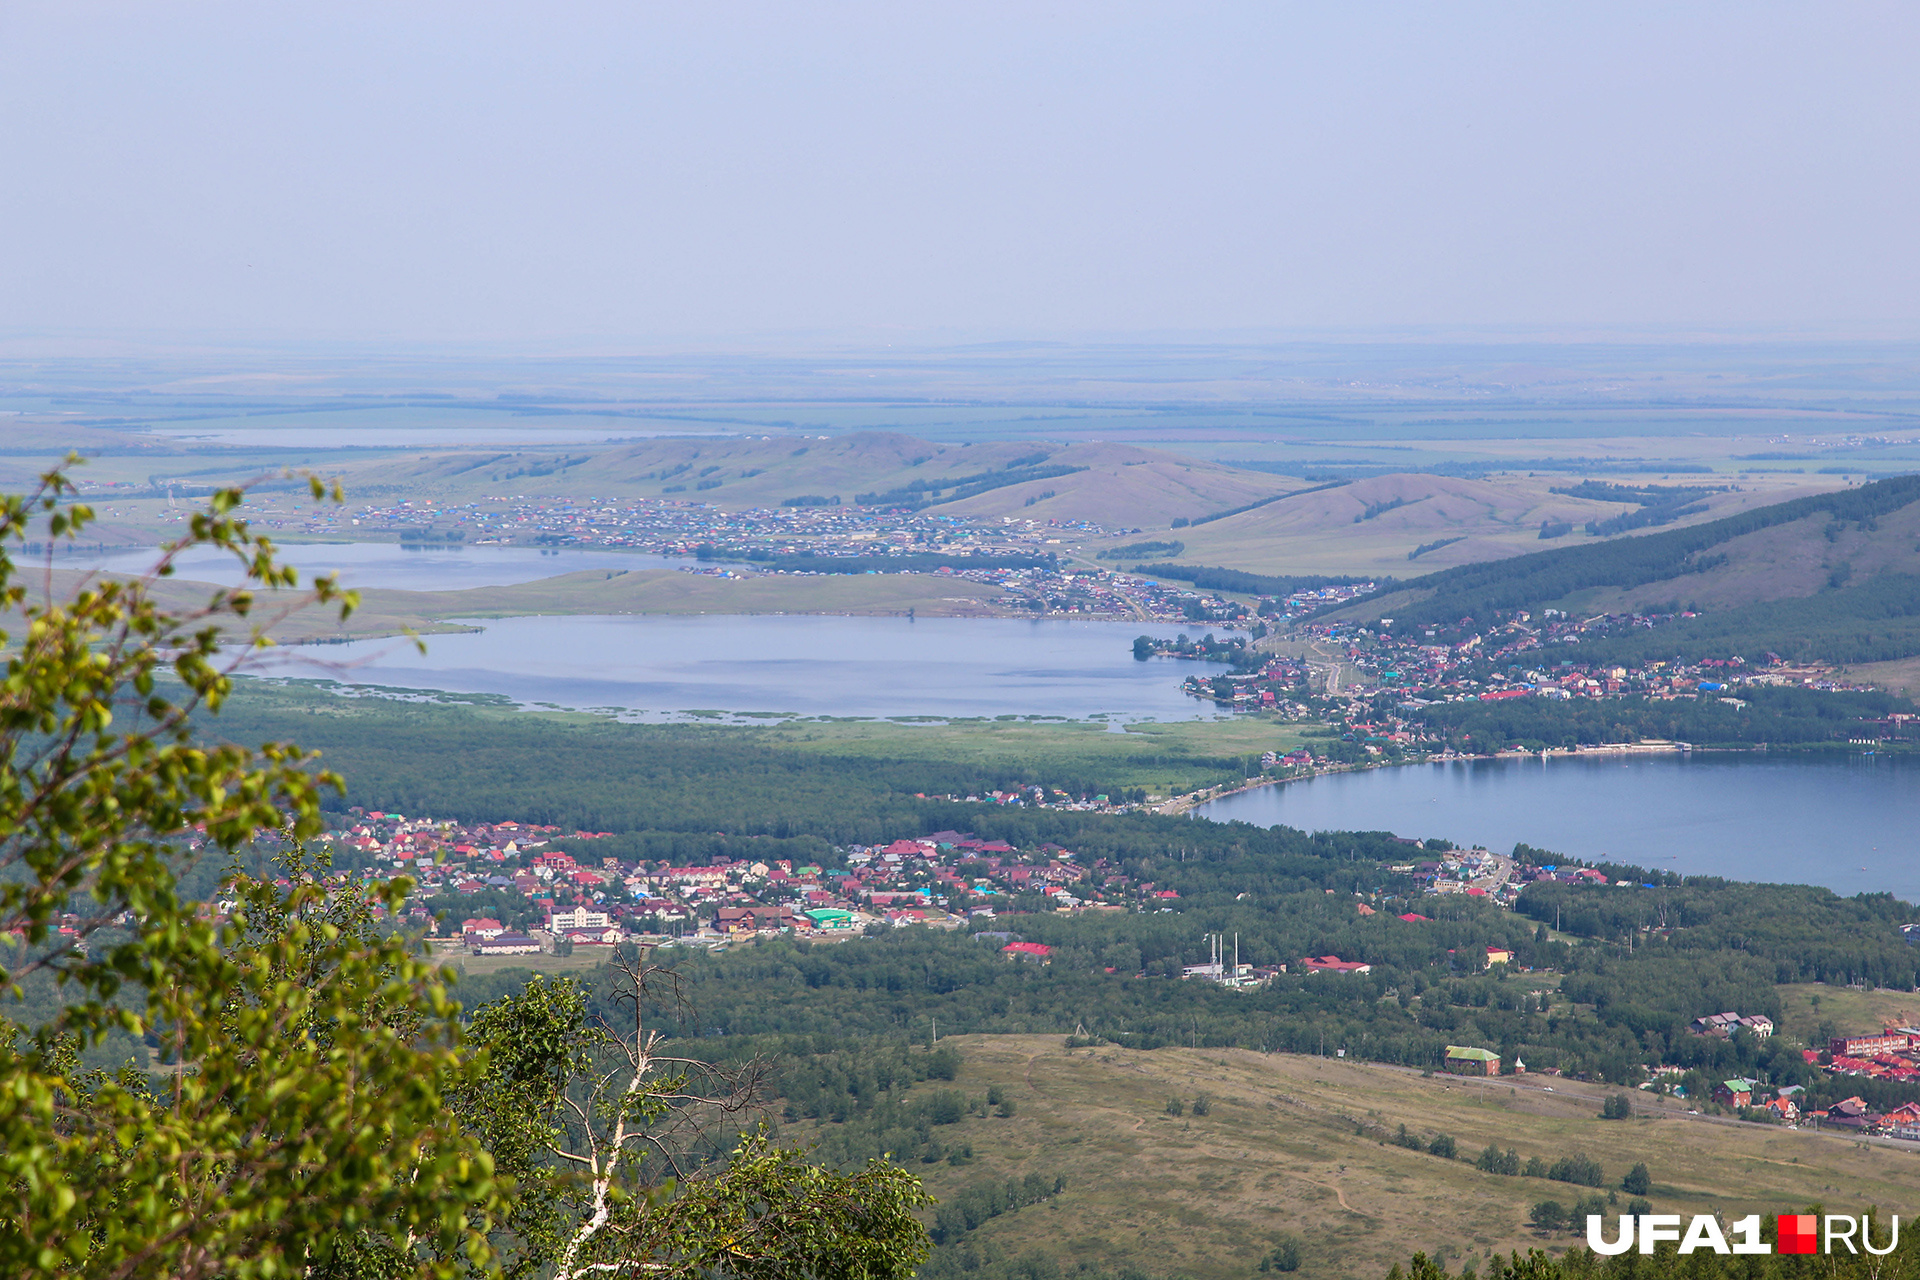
454	955
1162	758
1805	1006
1375	526
1300	1145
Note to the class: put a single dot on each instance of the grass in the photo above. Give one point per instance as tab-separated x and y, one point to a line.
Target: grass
1163	759
455	956
1805	1006
1283	1151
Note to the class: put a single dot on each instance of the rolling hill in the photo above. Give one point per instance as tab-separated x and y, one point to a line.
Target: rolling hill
1305	1147
1379	525
1834	575
1116	485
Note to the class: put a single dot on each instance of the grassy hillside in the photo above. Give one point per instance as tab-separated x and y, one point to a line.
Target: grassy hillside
1112	484
1381	524
1849	554
1303	1146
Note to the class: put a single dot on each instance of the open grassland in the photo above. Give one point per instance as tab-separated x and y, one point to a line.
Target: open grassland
384	611
1805	1007
1302	1145
454	955
1161	758
1900	676
1378	526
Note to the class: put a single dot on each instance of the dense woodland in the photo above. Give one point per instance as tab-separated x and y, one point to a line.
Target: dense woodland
1784	717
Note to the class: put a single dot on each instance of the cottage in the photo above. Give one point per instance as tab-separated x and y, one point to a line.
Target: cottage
1498	955
1035	951
1735	1093
1334	964
1464	1060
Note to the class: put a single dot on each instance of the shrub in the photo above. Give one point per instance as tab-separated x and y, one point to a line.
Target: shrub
1176	1107
1580	1170
1285	1255
1202	1104
1548	1215
1443	1146
1638	1181
946	1107
1493	1160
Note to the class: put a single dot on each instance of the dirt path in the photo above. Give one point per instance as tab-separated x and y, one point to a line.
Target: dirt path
1339	1195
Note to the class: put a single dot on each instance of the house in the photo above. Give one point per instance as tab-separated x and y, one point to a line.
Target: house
1786	1109
1333	964
1498	955
606	937
1735	1093
481	927
1463	1060
1851	1114
506	944
1036	951
1414	917
1867	1046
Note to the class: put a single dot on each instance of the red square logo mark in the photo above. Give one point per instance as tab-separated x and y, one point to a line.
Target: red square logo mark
1799	1233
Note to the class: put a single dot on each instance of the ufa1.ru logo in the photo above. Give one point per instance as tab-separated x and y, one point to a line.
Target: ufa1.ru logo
1797	1233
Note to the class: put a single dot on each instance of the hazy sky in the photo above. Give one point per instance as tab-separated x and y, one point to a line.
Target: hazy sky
538	172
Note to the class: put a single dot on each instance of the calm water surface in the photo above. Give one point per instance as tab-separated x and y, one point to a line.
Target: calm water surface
384	564
1852	824
806	665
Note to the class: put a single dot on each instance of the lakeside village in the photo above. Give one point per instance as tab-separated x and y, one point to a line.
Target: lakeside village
1391	678
794	539
503	889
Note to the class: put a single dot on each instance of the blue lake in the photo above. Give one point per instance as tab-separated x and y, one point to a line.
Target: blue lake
804	665
1850	823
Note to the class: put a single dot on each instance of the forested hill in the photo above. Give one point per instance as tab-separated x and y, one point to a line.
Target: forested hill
1857	550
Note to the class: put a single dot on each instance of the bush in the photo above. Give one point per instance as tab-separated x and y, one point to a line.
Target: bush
1637	1205
1638	1181
1176	1107
1285	1255
1443	1146
1493	1160
1007	1108
1580	1170
1548	1216
1202	1104
946	1107
1410	1141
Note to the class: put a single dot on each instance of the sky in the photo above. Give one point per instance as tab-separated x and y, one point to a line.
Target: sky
563	172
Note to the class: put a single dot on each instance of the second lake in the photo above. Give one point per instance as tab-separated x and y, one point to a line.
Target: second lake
807	665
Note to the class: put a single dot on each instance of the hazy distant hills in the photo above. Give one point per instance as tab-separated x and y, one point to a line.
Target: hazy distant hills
1226	516
1114	485
1833	575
